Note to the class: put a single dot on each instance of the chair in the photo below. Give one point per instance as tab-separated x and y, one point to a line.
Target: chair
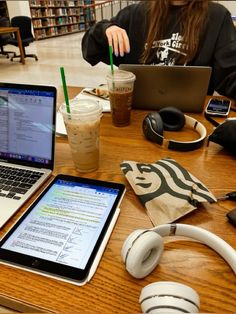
4	22
24	24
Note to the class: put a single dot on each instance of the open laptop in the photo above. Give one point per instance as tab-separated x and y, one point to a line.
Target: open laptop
27	142
155	87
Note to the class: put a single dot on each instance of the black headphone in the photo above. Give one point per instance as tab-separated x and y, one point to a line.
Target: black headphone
172	119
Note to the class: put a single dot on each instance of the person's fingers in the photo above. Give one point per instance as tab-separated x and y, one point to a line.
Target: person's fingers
126	42
115	43
113	39
109	37
118	39
120	43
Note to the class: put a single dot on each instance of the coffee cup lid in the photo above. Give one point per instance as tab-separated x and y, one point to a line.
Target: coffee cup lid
121	75
83	108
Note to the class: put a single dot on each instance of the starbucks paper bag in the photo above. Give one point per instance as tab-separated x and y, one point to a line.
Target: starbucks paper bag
166	189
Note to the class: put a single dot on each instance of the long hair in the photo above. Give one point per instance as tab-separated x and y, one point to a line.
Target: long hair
192	20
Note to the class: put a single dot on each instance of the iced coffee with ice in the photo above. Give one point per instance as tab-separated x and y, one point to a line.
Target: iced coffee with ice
120	86
82	126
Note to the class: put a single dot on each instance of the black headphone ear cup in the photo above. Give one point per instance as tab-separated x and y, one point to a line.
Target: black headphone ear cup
152	125
144	254
169	297
172	118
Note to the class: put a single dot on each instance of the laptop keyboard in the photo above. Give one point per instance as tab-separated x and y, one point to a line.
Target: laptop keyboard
14	183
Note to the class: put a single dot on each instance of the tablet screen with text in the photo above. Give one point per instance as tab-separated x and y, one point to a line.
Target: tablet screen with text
62	231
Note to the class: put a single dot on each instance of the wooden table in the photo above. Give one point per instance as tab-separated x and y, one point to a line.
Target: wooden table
5	30
112	289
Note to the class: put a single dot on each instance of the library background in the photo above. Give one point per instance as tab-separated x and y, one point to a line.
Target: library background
58	23
52	18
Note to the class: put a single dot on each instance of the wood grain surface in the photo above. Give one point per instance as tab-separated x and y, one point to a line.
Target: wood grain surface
112	289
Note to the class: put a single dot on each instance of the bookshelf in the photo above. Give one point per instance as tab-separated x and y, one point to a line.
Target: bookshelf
3	9
52	18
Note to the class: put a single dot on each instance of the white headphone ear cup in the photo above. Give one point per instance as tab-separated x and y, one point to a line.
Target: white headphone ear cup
129	242
169	297
144	254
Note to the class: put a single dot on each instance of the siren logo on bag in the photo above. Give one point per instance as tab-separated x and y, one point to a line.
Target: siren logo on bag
166	189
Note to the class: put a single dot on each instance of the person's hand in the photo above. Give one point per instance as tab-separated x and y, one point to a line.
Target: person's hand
118	40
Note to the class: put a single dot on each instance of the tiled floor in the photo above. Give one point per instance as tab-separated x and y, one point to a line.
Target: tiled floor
52	53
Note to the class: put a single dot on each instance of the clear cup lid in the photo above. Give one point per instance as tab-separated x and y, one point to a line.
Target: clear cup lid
121	75
82	108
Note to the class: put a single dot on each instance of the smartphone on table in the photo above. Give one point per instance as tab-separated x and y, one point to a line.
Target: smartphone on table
218	107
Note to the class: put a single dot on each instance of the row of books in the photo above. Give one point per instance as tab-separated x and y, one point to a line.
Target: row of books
56	12
89	14
58	3
56	31
47	22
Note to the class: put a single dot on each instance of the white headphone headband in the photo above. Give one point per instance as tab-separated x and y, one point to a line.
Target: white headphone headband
141	253
142	250
198	126
190	145
202	235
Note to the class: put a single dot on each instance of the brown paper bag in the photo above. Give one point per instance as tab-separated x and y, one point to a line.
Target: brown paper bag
167	190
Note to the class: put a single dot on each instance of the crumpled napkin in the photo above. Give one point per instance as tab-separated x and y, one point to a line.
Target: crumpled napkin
166	189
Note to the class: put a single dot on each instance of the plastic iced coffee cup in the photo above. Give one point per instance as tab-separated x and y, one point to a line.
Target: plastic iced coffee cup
120	87
82	126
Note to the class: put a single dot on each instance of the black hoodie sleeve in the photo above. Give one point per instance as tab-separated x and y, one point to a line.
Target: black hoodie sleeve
224	65
95	44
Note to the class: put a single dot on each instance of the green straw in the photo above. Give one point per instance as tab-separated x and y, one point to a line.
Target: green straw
111	60
65	89
111	64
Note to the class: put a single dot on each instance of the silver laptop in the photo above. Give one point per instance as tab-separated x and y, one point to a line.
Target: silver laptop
27	142
184	87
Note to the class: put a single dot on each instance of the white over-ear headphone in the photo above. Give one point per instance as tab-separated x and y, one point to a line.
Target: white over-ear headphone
141	253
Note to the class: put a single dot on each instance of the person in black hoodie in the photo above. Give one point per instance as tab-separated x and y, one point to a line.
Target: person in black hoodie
168	32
